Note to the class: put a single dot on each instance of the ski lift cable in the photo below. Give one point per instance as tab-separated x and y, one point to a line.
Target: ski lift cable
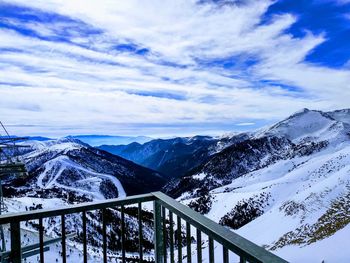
8	135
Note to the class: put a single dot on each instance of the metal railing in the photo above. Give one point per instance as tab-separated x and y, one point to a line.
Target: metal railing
171	243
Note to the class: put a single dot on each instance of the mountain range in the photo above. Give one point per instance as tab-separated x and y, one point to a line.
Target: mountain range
176	156
285	187
96	140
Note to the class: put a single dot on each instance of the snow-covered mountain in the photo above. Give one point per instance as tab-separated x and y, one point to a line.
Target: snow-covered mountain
286	187
69	166
173	157
313	126
67	171
96	140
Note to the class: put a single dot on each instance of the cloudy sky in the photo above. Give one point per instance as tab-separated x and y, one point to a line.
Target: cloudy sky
169	67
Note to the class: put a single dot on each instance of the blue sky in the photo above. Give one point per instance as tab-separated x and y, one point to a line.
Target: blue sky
169	67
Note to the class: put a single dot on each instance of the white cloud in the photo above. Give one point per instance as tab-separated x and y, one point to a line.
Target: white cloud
245	124
94	88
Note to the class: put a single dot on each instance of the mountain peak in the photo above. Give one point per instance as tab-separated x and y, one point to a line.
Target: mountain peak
309	124
304	110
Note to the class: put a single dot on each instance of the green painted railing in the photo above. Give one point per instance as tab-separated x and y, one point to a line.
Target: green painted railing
169	243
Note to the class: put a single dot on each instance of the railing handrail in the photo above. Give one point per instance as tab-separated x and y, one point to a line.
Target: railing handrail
221	234
77	208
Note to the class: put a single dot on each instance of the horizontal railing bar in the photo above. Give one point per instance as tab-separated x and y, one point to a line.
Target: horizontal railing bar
36	246
227	238
33	252
42	213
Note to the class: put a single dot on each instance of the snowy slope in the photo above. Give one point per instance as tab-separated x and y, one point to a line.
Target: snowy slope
310	125
286	187
70	166
66	171
340	115
298	204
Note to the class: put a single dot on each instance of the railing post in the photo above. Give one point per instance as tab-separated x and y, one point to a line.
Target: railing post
188	242
104	235
122	218
179	240
84	237
171	233
64	247
16	253
199	246
158	232
41	239
164	234
139	216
